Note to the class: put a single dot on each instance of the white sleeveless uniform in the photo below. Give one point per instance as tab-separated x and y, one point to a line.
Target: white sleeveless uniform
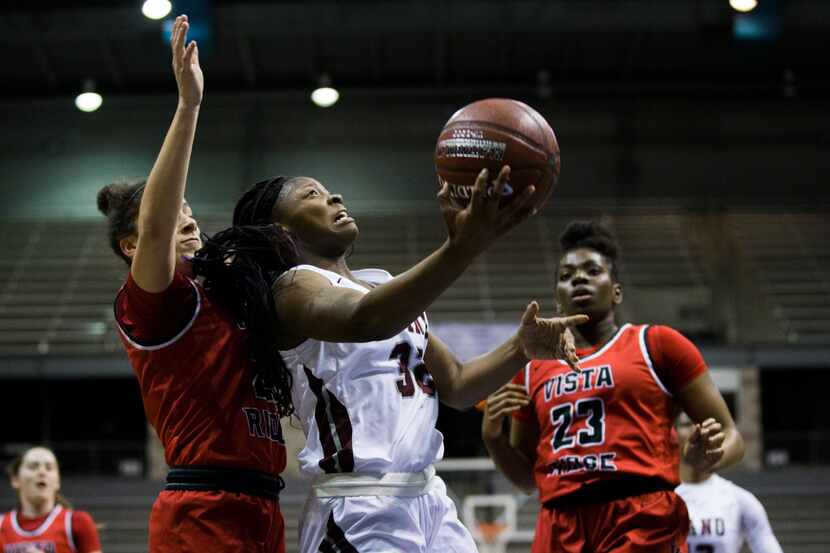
368	411
723	515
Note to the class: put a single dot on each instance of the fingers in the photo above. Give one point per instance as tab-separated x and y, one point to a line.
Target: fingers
530	313
716	441
574	320
568	345
191	54
498	185
479	188
694	437
177	39
518	210
511	387
503	403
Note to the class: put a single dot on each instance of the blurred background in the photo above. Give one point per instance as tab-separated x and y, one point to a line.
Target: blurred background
698	132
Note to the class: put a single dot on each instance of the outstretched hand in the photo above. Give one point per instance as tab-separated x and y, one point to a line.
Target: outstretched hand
501	403
551	338
704	447
483	220
186	68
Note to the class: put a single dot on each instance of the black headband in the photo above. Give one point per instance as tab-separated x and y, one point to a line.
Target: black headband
255	207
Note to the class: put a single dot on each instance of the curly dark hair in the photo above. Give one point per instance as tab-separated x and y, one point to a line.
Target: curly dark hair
120	201
594	236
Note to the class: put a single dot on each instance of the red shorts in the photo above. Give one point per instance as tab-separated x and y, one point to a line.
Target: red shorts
655	522
197	522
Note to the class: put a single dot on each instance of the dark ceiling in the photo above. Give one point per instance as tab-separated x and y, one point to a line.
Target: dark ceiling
585	47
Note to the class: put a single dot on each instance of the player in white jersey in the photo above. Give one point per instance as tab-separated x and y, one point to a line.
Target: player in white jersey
722	514
367	373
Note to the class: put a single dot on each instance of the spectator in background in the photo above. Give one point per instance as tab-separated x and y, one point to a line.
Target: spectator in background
44	522
722	515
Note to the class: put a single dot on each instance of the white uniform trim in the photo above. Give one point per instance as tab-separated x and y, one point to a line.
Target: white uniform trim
68	526
527	378
40	529
604	348
187	327
399	484
644	350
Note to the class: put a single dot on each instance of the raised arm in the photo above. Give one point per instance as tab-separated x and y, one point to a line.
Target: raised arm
310	307
155	257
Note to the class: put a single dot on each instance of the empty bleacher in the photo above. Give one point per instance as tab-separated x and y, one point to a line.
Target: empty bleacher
58	278
788	258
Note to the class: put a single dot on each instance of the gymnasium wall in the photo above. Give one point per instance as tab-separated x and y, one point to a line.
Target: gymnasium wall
376	149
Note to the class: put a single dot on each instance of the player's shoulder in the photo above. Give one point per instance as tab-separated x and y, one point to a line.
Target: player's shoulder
81	517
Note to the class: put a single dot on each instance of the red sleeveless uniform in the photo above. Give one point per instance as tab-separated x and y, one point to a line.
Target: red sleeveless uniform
201	397
61	531
611	423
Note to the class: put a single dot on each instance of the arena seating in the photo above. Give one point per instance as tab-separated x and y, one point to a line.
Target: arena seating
58	278
788	258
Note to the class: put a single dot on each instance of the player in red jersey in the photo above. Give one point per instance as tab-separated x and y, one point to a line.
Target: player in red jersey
212	391
43	522
599	444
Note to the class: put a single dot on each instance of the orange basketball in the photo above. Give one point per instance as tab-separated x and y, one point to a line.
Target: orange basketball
492	133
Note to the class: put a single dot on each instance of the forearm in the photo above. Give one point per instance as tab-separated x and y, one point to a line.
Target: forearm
480	377
733	449
164	193
388	309
511	462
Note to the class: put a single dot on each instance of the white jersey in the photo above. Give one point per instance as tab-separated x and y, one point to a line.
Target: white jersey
365	407
723	515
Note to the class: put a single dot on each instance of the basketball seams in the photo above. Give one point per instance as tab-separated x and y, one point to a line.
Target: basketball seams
533	115
529	143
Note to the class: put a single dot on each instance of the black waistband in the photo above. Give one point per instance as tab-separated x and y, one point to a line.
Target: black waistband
610	490
248	482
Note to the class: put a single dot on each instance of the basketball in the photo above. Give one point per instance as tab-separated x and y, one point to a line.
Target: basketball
492	133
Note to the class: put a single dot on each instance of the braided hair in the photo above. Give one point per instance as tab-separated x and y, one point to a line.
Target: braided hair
240	265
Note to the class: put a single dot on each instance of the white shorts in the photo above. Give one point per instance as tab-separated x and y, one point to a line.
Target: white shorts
384	524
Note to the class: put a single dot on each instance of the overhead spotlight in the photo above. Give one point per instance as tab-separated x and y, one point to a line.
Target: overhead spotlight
325	95
156	9
743	6
88	100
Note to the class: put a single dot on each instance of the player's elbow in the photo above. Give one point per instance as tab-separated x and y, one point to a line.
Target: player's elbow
740	446
457	401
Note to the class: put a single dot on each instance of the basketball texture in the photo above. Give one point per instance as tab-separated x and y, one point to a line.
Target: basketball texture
492	133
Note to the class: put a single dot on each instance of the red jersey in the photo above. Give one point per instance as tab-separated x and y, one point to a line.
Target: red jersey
61	531
616	416
199	390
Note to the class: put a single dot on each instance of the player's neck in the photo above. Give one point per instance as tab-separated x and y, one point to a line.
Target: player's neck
689	475
596	333
29	509
337	265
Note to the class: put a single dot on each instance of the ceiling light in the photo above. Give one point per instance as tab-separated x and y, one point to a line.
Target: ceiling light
88	100
743	5
325	95
156	9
